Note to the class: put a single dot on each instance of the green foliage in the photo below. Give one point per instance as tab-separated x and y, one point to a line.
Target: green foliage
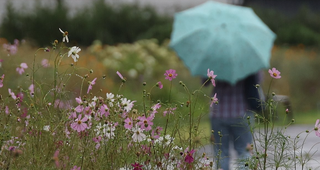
301	28
111	24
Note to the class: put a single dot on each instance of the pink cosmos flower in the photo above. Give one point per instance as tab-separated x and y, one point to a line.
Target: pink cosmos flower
274	73
45	63
21	68
31	89
76	168
214	100
211	76
11	49
170	74
120	75
160	85
156	106
72	115
7	111
1	81
12	94
156	133
145	123
93	82
97	140
79	124
104	110
317	128
128	123
56	158
169	111
66	131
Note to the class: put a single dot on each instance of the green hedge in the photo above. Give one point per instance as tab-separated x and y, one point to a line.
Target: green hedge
301	28
127	23
109	24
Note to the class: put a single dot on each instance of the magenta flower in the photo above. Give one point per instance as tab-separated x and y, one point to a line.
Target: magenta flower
1	80
170	74
137	166
274	73
160	85
189	158
128	123
317	128
214	100
93	82
211	76
21	68
79	124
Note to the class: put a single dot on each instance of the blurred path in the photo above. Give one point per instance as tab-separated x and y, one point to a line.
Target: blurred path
311	145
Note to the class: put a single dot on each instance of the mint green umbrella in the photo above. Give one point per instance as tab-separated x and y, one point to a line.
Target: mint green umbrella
230	40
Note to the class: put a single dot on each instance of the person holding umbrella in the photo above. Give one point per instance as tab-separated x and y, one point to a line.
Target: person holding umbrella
234	43
231	118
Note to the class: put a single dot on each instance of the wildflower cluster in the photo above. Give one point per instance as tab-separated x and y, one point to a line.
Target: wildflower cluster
79	132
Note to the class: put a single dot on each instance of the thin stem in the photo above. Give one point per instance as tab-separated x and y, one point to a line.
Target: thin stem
170	90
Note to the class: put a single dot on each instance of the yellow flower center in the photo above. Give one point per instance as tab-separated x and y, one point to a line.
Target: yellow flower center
66	33
275	74
79	122
170	75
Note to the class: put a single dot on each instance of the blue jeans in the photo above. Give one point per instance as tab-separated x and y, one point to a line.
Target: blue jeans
236	130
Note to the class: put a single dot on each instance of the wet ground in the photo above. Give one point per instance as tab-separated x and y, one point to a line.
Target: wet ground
309	141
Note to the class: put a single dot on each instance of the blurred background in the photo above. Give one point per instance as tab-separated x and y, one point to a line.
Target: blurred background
132	36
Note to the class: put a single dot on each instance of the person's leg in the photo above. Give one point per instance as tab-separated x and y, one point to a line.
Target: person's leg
242	139
221	143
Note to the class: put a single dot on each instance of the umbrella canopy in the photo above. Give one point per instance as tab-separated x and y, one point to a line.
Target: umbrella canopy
230	40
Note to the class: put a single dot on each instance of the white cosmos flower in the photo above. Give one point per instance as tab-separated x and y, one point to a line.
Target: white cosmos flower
138	136
110	98
46	128
73	52
127	104
65	35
